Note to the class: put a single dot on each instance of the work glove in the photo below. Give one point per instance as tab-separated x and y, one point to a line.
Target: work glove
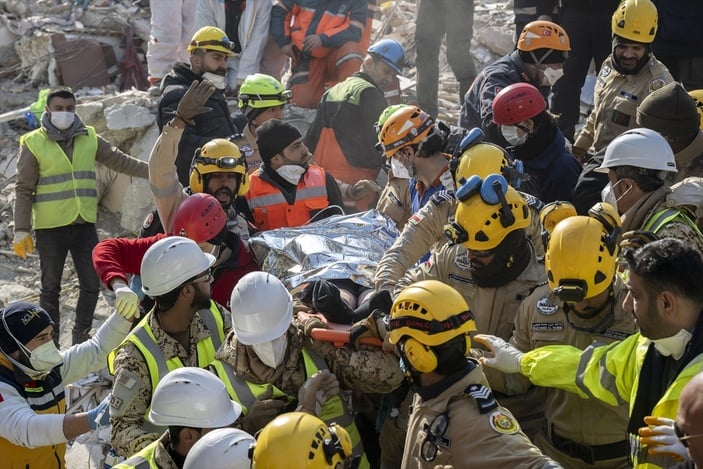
661	438
126	301
193	101
100	416
371	326
23	244
506	358
316	391
361	189
262	411
637	238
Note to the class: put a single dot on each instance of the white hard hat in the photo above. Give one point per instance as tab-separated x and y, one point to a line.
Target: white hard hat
224	448
640	148
262	308
170	262
192	397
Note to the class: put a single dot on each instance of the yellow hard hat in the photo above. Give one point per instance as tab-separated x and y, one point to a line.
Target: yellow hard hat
697	96
211	38
635	20
218	156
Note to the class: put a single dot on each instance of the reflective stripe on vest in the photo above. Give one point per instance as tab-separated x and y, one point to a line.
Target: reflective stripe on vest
143	338
270	208
144	459
241	390
660	218
66	188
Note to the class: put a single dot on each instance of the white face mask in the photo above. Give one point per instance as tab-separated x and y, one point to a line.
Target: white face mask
512	135
552	75
291	173
400	171
607	195
675	345
45	357
215	79
62	120
273	352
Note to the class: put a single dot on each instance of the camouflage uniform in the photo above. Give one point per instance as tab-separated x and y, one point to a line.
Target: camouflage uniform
160	456
394	201
641	212
479	433
131	394
425	232
689	161
573	422
615	102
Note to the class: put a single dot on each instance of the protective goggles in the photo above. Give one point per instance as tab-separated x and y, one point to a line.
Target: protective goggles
435	438
227	44
224	162
571	290
285	95
412	133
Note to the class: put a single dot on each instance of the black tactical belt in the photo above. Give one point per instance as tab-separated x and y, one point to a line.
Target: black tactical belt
589	454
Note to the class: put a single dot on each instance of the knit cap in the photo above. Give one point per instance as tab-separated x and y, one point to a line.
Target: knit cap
24	321
273	137
670	110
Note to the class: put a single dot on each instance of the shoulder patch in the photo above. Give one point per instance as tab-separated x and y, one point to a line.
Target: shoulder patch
546	307
483	396
246	149
532	201
416	218
656	84
504	423
441	197
148	220
605	71
461	260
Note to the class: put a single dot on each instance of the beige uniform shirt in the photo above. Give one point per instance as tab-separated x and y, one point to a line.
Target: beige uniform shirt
247	145
131	394
425	231
615	102
394	201
479	433
541	321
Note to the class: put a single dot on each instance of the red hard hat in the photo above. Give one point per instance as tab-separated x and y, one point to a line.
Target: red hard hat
200	217
516	103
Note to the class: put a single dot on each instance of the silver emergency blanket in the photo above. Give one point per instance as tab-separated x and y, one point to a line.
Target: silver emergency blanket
338	247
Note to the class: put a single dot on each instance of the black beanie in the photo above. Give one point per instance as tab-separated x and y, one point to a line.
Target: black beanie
25	321
273	136
670	110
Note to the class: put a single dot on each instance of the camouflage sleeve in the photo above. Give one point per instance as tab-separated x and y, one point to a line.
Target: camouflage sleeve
684	232
423	230
366	371
131	397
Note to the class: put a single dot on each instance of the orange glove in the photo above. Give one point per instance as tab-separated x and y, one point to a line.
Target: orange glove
23	244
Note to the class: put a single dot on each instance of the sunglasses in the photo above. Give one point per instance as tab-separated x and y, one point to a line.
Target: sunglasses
683	438
206	277
435	437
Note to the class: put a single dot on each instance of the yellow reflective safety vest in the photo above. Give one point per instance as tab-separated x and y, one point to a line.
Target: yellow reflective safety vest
143	338
144	459
661	217
334	410
66	188
611	374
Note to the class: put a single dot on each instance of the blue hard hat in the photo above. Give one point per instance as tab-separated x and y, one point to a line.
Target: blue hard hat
391	52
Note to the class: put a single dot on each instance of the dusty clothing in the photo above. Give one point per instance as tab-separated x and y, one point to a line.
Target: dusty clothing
215	123
639	217
615	102
156	454
541	320
172	27
131	395
425	232
31	427
168	191
479	432
689	161
394	201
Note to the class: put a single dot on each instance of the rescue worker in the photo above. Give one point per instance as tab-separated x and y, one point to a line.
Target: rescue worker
34	427
301	441
342	137
185	328
217	168
425	228
646	371
637	163
223	448
266	361
525	123
200	217
323	42
626	77
247	25
209	50
581	304
412	142
190	402
171	27
56	191
455	420
538	59
288	190
261	98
